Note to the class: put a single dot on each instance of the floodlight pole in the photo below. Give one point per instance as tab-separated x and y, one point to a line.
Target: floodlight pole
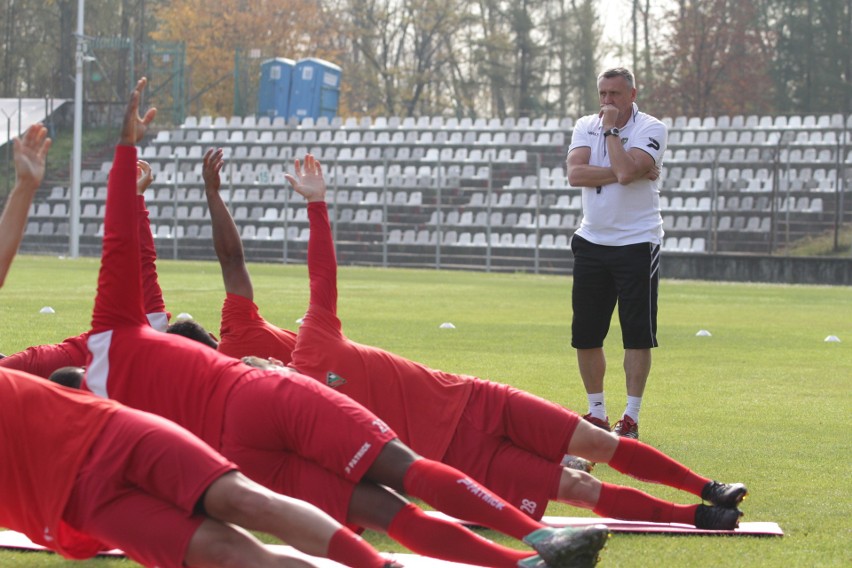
77	155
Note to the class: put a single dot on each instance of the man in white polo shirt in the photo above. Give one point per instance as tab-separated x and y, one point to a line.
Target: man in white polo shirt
616	157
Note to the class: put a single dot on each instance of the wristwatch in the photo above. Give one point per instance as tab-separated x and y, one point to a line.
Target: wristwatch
614	131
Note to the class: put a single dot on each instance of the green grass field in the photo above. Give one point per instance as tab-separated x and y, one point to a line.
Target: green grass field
764	400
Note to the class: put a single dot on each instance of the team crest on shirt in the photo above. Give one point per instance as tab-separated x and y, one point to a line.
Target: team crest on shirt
333	380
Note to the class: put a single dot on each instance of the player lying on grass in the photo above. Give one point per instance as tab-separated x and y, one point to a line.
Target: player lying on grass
129	479
285	430
507	439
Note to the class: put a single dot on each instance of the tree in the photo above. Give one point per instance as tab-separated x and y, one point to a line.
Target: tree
402	55
214	35
573	40
813	68
717	60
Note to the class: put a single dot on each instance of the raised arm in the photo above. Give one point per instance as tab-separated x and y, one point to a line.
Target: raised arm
30	154
119	296
322	261
226	236
155	306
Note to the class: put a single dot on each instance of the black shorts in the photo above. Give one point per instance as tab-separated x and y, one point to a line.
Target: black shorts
605	275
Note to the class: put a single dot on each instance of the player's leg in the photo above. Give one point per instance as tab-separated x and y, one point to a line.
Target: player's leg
447	489
368	505
512	442
593	300
380	509
607	500
635	269
454	493
529	480
227	546
641	461
233	498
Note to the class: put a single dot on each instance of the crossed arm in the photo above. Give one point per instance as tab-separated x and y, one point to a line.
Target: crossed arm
627	166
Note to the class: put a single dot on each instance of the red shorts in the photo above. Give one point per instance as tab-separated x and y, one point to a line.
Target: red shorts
513	443
138	488
301	438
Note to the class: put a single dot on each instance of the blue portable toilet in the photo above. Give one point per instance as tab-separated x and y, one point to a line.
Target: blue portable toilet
273	94
316	89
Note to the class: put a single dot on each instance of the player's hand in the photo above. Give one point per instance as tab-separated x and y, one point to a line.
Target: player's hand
309	183
144	176
134	127
608	116
213	161
30	156
654	173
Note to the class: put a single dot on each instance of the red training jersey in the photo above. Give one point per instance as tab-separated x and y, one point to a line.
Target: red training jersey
46	432
168	375
244	332
422	405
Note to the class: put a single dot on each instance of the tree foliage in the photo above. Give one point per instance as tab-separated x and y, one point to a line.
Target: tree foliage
223	35
813	67
716	60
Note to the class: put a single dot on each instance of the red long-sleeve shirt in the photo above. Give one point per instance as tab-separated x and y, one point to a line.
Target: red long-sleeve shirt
244	332
422	405
165	374
42	360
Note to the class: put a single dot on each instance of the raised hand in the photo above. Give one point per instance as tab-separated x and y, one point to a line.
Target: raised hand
134	127
309	183
30	155
144	176
213	162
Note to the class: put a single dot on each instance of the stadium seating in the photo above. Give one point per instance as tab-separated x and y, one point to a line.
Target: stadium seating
730	183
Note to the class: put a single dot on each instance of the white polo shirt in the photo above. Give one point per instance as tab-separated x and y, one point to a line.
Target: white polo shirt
615	214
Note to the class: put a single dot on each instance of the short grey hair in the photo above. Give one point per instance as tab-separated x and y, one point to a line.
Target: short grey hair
618	72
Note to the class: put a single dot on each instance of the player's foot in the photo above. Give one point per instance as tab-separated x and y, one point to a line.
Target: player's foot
602	424
724	494
569	547
717	518
534	561
627	428
578	463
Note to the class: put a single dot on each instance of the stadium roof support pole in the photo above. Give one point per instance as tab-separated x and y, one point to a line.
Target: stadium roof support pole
77	156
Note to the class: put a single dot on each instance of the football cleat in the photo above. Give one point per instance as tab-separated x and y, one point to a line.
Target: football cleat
717	518
578	463
724	494
569	547
627	428
602	424
534	561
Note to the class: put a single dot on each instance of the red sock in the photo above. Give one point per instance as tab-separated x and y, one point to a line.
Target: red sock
641	461
452	492
631	504
447	540
349	549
